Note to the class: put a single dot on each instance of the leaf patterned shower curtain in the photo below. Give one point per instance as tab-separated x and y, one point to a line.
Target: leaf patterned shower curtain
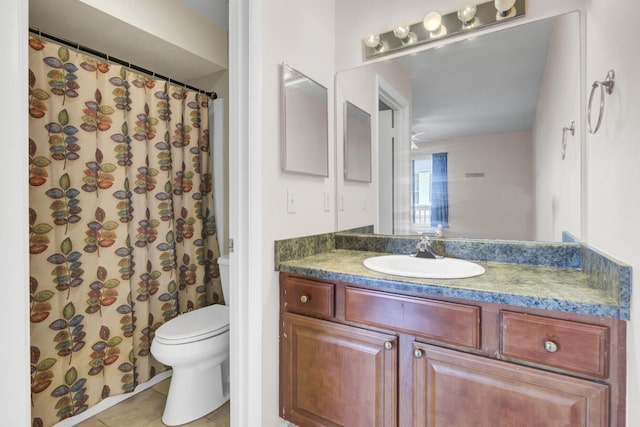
122	232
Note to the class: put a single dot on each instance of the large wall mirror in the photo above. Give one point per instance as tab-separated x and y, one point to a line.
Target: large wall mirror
304	127
477	140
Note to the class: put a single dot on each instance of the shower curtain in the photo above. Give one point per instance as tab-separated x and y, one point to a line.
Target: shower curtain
122	232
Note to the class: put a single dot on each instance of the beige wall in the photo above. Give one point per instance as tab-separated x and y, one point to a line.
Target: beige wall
613	154
300	34
498	205
557	200
162	36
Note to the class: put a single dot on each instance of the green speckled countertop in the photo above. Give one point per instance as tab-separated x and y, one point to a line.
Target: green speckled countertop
552	288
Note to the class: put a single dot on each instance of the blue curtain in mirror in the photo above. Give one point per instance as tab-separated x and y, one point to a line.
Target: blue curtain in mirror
439	191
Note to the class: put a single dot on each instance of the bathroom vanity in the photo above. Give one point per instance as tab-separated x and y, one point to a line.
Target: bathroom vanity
359	348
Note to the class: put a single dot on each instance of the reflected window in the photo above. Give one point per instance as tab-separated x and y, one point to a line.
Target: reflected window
430	191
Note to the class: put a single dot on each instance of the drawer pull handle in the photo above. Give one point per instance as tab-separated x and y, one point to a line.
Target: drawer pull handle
304	299
550	346
388	345
417	353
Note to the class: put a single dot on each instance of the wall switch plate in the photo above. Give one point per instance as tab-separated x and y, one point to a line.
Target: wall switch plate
291	201
341	202
326	201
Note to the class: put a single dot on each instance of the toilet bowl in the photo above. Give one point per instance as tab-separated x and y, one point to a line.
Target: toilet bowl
196	346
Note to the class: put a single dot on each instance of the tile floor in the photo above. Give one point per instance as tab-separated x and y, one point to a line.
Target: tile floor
145	410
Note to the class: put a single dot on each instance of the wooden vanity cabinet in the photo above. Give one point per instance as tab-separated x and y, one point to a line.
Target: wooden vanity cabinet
452	388
332	374
353	356
337	375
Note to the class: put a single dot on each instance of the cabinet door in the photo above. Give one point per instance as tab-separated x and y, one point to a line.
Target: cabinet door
453	389
336	375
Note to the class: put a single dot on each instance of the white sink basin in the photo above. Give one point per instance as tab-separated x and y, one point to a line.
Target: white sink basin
425	268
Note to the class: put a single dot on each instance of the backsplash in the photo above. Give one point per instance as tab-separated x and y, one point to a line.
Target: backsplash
300	247
514	252
607	273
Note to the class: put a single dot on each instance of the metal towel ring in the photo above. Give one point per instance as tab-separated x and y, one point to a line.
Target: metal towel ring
607	85
571	129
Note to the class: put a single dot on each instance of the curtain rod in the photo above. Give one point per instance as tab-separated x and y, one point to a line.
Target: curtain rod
110	58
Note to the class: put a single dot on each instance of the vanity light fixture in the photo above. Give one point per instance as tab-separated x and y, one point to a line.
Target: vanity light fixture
373	42
403	32
433	23
504	8
435	26
467	14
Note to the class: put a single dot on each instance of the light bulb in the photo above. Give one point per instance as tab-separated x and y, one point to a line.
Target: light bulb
401	32
432	22
404	33
372	41
467	13
504	6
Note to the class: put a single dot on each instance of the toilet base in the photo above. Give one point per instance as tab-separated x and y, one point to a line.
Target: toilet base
195	391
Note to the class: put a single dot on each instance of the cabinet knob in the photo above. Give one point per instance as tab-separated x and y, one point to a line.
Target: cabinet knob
388	345
304	299
550	346
417	353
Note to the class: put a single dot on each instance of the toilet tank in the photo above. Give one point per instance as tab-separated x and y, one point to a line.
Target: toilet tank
223	265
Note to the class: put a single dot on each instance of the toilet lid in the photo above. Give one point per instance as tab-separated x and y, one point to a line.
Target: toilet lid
195	325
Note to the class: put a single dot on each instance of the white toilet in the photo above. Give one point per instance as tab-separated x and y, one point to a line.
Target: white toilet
196	346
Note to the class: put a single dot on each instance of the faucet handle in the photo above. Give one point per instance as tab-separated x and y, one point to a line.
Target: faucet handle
424	243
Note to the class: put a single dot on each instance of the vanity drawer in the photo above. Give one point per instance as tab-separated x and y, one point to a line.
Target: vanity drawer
453	323
575	346
309	296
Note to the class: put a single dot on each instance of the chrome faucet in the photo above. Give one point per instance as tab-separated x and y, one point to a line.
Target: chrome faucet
424	248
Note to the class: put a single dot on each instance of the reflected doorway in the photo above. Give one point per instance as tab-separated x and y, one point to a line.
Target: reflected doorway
386	140
394	178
